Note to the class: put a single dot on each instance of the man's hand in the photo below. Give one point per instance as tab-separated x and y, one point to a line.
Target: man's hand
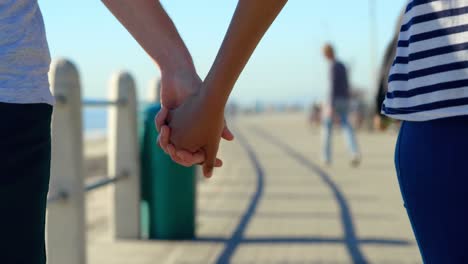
178	85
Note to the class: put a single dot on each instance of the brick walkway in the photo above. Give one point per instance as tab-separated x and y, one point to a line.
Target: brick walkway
273	202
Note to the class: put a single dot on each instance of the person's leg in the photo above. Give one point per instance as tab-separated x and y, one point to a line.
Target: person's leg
327	139
348	132
431	166
24	178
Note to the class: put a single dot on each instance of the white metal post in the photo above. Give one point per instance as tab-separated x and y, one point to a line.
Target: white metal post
154	91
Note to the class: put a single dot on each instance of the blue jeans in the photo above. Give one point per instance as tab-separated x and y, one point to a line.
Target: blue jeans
340	108
432	166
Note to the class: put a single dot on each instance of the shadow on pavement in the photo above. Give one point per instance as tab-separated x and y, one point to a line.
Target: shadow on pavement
350	239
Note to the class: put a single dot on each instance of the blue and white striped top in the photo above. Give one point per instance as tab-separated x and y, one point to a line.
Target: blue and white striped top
429	76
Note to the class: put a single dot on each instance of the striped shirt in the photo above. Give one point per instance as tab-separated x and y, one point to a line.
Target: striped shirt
429	76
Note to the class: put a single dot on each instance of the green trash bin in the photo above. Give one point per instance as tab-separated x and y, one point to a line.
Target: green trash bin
168	189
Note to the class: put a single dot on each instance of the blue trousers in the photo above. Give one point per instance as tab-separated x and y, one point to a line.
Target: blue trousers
432	166
341	110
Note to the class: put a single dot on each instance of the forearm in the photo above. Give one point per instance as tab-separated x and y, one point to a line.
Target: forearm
250	22
149	24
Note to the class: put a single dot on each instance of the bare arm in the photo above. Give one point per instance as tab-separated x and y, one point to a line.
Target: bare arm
250	22
150	25
197	124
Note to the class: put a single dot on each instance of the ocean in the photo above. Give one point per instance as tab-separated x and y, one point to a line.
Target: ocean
95	120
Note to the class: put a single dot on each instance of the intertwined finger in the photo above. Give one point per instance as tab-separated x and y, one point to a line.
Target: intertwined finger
210	161
192	158
160	119
227	134
164	138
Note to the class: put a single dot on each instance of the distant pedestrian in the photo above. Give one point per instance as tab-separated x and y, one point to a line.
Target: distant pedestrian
315	116
338	106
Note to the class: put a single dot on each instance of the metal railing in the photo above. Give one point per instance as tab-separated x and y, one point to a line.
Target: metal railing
102	181
61	99
104	103
66	229
56	197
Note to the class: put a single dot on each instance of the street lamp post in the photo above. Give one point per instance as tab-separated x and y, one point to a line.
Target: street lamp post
373	39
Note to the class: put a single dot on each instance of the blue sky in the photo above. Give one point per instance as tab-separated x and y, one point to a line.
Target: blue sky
287	65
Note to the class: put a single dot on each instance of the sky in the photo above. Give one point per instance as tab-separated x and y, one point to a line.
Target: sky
287	66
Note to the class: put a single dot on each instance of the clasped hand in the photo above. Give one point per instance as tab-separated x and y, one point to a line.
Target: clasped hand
190	126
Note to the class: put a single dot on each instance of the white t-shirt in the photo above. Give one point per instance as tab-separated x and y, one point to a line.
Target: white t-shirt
24	54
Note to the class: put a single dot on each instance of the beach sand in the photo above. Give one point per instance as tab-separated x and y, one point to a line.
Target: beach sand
98	221
95	157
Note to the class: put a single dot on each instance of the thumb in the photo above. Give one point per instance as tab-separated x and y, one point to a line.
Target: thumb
160	118
210	161
227	134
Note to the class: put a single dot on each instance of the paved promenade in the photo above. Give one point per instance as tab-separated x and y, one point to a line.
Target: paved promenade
274	202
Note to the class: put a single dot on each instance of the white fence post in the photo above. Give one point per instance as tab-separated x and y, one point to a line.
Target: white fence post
66	218
154	91
123	156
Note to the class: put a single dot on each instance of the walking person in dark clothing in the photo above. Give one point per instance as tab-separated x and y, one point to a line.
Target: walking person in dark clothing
338	104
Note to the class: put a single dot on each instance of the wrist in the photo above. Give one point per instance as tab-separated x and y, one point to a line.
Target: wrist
177	66
214	97
174	59
218	86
